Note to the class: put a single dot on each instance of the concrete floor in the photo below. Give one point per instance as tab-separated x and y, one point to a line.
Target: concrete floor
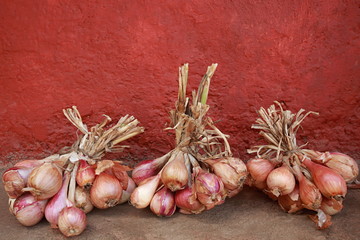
250	215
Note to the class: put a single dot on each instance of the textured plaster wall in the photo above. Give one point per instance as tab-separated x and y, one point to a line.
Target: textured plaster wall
119	57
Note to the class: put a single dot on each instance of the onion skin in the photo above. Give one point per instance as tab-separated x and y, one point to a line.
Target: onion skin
142	195
148	168
121	176
209	188
280	181
163	203
175	174
231	171
127	192
85	175
321	219
106	191
291	203
331	206
329	182
27	210
259	170
57	203
185	199
45	181
344	165
72	221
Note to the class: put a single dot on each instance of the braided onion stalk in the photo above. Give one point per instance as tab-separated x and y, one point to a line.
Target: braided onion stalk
200	172
296	177
66	186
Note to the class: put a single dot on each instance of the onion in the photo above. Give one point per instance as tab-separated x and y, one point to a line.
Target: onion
186	200
85	175
27	210
175	174
329	182
209	188
344	165
29	163
309	193
82	200
14	180
142	195
57	203
128	191
44	181
231	171
280	181
259	169
72	221
106	191
163	203
331	206
148	168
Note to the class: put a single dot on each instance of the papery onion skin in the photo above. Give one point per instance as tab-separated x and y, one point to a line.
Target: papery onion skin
82	200
128	191
57	203
45	181
344	165
259	169
267	191
331	206
106	191
175	174
291	203
163	203
209	188
186	200
329	182
142	195
27	210
72	221
280	181
321	219
85	175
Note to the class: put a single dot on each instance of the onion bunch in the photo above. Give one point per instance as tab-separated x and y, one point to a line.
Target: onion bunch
298	178
200	172
65	187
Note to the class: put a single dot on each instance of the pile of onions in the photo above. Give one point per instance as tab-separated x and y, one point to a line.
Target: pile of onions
298	178
200	172
65	187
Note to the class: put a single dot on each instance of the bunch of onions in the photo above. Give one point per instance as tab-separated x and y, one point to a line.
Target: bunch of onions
65	187
200	172
298	178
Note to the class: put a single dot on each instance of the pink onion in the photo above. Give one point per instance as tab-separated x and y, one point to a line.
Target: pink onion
27	210
163	203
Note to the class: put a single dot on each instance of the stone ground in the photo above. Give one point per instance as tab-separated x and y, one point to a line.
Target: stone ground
250	215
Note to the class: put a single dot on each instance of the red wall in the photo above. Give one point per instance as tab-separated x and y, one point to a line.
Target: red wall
119	57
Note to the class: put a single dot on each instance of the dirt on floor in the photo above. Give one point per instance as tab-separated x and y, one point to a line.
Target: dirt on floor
250	215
